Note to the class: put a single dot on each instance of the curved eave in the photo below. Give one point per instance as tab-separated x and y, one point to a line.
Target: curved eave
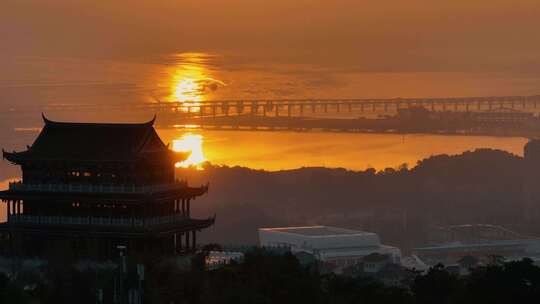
172	155
190	225
198	191
70	230
185	193
14	157
180	156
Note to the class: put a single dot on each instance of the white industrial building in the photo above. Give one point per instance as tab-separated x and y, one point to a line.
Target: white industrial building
336	246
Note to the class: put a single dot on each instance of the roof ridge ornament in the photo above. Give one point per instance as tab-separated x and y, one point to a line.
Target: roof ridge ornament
151	122
45	119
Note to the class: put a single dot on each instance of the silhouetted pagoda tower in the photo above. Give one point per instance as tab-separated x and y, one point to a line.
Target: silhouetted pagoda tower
92	187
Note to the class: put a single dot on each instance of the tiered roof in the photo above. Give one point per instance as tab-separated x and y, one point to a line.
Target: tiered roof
92	142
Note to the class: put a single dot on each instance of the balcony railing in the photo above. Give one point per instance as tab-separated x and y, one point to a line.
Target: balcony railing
96	221
88	188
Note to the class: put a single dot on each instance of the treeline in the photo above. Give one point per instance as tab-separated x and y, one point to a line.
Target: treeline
270	278
401	204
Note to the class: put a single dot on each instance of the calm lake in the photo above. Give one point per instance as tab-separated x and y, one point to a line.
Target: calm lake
289	150
30	82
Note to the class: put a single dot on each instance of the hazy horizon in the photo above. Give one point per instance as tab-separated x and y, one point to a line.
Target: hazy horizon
257	49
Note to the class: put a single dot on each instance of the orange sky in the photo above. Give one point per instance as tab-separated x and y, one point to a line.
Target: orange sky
381	35
380	47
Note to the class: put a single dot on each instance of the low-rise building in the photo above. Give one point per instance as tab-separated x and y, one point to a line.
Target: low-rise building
337	247
375	262
483	250
216	259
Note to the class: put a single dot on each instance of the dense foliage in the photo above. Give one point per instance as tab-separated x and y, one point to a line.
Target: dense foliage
272	278
400	204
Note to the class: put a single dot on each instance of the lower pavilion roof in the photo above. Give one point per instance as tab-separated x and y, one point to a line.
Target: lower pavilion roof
184	225
127	194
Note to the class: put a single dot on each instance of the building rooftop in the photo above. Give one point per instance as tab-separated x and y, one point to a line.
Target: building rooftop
480	244
326	241
317	231
91	141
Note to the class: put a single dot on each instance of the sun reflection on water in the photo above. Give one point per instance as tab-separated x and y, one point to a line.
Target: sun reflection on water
192	143
191	80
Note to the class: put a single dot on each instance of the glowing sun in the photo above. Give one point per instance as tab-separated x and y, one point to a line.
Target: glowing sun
192	143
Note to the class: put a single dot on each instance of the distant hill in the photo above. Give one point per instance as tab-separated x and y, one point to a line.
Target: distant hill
482	186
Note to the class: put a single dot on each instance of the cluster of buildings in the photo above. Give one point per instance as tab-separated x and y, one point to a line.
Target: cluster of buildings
99	190
360	253
103	191
482	241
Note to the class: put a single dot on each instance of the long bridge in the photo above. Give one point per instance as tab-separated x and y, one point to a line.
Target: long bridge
304	107
496	116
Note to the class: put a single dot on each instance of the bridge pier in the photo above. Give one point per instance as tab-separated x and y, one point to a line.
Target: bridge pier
225	109
240	107
254	108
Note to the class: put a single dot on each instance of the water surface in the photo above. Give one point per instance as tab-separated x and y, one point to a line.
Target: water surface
290	150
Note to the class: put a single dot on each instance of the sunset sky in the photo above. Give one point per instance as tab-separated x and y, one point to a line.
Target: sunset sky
378	48
414	35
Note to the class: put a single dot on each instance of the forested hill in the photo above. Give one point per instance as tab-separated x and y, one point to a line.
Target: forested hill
482	186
